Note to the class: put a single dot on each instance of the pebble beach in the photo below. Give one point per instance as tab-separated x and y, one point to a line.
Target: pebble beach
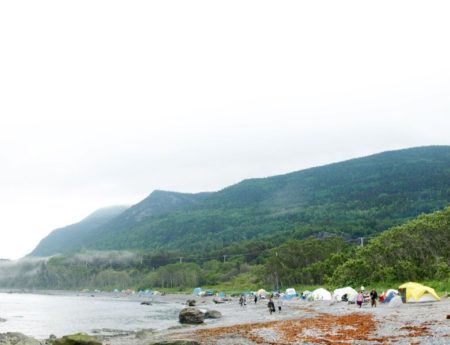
304	322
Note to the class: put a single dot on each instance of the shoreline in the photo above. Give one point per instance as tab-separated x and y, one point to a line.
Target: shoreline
302	322
299	322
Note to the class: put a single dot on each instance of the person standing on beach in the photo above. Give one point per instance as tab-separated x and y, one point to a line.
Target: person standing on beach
271	306
373	297
256	298
242	301
359	299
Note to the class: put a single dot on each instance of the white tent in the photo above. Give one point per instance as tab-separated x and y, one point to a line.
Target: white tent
338	293
291	292
320	294
261	293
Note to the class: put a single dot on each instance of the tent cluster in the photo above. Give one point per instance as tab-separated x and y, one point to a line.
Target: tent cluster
202	293
408	293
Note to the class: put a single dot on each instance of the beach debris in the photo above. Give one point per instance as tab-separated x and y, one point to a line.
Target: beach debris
213	314
15	338
191	315
77	339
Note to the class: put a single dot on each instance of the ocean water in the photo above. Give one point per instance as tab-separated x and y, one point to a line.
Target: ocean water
40	315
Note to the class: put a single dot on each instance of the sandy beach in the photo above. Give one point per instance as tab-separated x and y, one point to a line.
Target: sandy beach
303	322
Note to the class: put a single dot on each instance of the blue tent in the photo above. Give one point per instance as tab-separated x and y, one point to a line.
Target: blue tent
197	291
389	296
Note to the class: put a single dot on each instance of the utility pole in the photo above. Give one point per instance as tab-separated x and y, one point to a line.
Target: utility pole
224	257
276	272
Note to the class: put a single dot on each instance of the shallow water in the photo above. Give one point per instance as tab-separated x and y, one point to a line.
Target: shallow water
40	315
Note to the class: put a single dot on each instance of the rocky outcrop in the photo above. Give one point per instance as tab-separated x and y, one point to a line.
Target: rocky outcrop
191	302
77	339
14	338
191	316
213	314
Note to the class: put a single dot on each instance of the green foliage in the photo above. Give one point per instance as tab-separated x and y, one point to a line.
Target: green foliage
417	250
308	261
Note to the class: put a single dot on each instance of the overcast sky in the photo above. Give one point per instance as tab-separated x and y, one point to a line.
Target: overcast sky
102	102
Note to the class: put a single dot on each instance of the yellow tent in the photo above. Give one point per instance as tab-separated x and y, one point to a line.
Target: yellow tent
415	292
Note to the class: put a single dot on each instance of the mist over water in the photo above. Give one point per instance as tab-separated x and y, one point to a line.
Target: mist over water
40	315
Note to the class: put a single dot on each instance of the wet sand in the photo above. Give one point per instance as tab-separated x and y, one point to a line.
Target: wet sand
302	322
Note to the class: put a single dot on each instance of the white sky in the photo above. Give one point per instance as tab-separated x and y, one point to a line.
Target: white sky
102	102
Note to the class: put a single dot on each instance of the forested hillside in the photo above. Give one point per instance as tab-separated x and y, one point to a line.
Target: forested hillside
358	197
417	251
74	235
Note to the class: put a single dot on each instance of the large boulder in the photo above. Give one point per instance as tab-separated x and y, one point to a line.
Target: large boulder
213	314
177	342
191	316
14	338
77	339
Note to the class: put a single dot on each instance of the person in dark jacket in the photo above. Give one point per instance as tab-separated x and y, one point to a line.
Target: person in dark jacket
271	306
373	298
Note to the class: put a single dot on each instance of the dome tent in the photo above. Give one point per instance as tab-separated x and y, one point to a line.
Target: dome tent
320	294
261	293
350	292
414	292
291	292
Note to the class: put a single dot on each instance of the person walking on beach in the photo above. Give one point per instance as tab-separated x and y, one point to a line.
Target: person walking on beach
373	298
359	299
271	306
242	301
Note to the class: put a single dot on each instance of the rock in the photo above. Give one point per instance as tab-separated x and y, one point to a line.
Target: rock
2	320
177	342
77	339
146	303
14	338
213	314
144	333
191	316
191	302
218	300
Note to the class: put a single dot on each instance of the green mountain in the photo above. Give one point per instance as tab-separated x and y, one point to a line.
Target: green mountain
357	197
75	234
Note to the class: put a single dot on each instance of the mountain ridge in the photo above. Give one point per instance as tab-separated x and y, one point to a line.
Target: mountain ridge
358	196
